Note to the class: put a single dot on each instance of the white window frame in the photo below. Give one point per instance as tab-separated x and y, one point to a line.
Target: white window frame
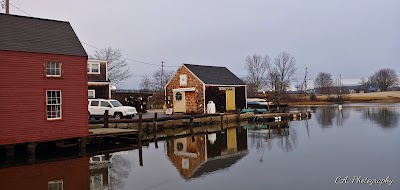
51	68
94	94
90	68
57	103
57	183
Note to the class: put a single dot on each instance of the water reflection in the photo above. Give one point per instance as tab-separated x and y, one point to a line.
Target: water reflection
69	174
200	155
109	171
329	116
266	134
384	117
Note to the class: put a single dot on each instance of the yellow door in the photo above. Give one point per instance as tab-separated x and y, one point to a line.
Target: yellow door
232	144
179	102
230	100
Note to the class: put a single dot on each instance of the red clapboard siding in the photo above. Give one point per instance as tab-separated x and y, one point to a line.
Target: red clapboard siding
23	86
74	173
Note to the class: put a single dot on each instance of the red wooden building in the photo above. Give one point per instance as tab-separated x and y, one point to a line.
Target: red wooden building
43	81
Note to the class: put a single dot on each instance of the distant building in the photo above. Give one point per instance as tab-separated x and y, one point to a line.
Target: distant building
43	81
98	82
193	86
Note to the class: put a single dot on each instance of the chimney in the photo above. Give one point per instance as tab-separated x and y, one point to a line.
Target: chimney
7	7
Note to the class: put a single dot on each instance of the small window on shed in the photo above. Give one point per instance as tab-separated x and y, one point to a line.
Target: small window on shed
183	80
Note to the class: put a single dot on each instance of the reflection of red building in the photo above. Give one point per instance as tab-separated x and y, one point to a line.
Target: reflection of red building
68	174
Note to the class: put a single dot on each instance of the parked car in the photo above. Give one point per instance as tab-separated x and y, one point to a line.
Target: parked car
97	108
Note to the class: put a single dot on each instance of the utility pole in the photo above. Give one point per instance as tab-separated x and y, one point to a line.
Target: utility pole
162	74
7	7
305	82
340	85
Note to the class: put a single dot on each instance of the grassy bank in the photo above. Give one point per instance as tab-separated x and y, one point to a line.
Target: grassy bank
372	97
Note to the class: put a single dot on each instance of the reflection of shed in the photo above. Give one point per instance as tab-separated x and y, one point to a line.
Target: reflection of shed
67	174
204	154
193	86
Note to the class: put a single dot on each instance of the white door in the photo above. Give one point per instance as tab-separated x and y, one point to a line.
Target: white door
179	102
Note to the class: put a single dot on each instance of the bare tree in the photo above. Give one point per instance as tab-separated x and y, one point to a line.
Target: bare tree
166	77
383	79
285	65
146	84
118	69
324	82
273	80
256	66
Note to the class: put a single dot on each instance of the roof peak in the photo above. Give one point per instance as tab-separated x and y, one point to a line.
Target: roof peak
204	65
36	18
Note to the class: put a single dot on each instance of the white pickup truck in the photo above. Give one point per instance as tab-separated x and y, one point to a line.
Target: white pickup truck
97	108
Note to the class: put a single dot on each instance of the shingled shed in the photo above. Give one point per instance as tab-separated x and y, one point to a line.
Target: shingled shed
193	86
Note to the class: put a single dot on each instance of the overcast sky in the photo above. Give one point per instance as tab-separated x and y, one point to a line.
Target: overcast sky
349	37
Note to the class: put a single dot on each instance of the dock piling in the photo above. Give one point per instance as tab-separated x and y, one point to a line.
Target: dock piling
9	153
105	119
31	152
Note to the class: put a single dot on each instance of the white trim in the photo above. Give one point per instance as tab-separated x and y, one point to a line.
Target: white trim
184	89
245	95
106	70
225	84
204	98
194	74
98	83
109	91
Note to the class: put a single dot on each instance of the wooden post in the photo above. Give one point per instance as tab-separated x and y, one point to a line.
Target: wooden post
238	115
222	121
105	119
140	139
155	128
191	124
82	146
31	152
9	150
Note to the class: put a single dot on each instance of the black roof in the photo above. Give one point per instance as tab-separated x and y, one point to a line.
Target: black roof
215	75
27	34
218	163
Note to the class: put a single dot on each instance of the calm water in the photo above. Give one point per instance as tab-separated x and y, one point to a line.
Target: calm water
361	140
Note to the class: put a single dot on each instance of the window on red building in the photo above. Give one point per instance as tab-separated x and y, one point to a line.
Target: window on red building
53	69
53	104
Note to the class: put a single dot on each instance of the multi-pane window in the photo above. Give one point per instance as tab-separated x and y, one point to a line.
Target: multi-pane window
53	104
53	69
93	68
55	185
91	94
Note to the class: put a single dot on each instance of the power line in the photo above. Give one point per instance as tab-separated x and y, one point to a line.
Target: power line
122	57
126	58
20	9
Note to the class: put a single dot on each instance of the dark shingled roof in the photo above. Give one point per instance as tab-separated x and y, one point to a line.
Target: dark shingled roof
27	34
215	75
218	164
